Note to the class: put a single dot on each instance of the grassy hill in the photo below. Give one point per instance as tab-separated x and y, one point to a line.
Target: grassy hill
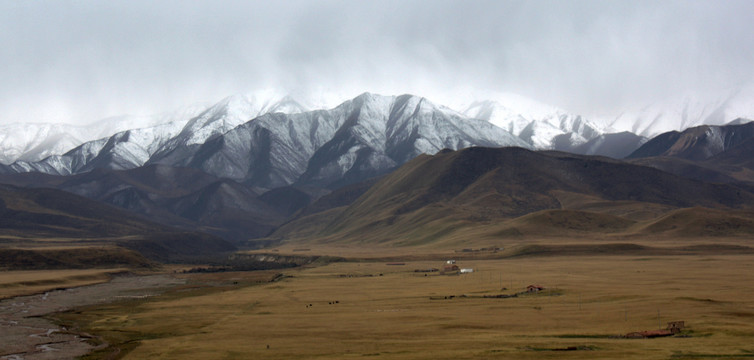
478	195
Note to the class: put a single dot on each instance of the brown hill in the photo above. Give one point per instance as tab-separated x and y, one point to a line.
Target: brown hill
734	165
697	143
707	153
509	192
556	222
695	222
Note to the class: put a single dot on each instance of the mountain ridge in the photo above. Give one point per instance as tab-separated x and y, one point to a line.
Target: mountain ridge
542	126
491	188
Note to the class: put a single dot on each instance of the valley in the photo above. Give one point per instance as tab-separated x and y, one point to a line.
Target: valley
326	233
372	306
376	180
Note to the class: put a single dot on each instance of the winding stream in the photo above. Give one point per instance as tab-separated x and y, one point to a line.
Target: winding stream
25	335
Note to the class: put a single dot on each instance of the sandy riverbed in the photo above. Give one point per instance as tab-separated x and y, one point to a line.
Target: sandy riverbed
24	334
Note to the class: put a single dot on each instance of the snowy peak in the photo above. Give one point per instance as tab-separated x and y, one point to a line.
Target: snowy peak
269	139
236	110
362	137
35	142
538	124
287	105
383	132
508	103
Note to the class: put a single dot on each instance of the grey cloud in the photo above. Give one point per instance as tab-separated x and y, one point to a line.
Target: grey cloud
84	60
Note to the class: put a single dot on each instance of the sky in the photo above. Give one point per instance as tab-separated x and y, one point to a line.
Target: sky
80	61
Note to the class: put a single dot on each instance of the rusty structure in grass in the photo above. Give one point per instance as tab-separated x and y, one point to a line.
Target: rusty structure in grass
450	269
674	327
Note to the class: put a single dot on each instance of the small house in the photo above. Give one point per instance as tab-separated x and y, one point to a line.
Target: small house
676	326
534	288
448	269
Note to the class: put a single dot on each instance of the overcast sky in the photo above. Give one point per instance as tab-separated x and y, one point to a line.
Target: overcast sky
79	61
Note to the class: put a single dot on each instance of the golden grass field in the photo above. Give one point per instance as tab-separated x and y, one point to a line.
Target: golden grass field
348	310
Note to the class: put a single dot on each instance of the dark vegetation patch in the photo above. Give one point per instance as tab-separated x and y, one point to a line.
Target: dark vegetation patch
694	355
627	249
567	348
179	246
252	262
75	258
584	336
574	250
742	314
707	300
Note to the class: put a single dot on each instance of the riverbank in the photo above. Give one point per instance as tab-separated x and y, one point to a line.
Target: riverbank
25	334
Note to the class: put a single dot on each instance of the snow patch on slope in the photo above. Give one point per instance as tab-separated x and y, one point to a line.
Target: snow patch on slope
536	123
32	142
686	111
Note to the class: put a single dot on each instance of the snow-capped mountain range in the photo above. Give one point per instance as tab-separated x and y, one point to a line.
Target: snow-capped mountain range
131	148
257	143
271	139
140	136
363	137
538	124
34	142
31	142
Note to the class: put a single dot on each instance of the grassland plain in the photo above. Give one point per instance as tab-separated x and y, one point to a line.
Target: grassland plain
373	309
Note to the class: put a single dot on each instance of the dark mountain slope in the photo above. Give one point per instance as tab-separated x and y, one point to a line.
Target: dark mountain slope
49	212
697	143
616	146
54	214
228	209
432	197
740	156
722	154
697	170
183	197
